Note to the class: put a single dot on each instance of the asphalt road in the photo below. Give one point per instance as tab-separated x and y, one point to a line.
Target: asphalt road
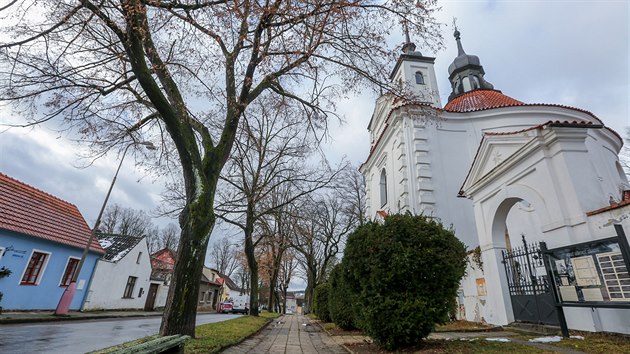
83	336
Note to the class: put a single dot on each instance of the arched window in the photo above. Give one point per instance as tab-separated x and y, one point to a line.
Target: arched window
383	185
419	78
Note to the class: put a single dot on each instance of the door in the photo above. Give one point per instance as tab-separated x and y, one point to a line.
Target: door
148	306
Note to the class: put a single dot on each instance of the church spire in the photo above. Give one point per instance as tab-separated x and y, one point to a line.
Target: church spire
408	47
465	72
460	49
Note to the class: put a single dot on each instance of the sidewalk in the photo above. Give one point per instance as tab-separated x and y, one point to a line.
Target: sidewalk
48	316
289	334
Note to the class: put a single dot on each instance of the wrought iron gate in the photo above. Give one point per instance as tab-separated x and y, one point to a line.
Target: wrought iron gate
530	292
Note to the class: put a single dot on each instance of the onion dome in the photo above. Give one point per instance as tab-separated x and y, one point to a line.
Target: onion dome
465	72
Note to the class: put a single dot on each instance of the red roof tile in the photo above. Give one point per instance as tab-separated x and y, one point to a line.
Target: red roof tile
479	100
613	206
32	212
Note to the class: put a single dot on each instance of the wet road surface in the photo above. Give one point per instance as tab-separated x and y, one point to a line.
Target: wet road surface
82	336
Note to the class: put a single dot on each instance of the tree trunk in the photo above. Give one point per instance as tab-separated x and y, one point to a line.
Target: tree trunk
284	300
253	292
273	281
311	278
253	265
181	306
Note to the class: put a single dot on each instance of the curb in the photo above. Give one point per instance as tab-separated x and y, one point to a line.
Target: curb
52	318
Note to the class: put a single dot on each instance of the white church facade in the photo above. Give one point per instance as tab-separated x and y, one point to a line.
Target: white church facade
498	170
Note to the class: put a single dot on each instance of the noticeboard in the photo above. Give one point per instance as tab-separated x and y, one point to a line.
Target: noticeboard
593	273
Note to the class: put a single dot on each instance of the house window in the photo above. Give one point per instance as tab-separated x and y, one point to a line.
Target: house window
35	268
140	292
202	297
131	283
2	248
383	187
419	78
68	274
139	256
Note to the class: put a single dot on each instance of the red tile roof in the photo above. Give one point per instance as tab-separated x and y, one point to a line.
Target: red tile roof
613	206
163	260
29	211
479	100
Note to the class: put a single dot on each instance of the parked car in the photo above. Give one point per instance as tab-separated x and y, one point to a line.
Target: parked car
225	307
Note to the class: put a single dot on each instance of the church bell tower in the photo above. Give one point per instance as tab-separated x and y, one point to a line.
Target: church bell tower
417	74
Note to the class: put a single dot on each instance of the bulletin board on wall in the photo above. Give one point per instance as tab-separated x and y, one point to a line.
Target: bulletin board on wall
593	274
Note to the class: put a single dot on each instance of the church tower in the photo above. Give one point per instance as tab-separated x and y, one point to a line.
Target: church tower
417	74
465	72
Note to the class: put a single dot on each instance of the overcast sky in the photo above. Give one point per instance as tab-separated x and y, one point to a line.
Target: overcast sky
572	53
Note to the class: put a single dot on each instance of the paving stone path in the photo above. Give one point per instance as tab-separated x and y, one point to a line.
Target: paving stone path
290	334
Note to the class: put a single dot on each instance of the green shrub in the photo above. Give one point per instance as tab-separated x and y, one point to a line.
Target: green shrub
340	299
405	274
320	302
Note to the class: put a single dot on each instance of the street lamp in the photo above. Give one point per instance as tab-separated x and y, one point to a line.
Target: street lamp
68	294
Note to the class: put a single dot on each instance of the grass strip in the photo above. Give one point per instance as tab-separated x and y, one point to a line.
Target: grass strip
593	343
213	337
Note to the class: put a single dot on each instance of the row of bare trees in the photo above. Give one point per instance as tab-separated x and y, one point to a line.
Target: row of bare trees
133	222
285	199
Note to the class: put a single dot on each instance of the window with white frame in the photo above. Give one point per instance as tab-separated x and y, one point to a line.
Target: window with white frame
35	268
139	257
383	187
131	283
202	298
68	274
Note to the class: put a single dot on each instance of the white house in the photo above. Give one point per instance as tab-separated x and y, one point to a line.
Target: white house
495	169
122	278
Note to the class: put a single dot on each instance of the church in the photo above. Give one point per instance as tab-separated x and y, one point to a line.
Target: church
535	191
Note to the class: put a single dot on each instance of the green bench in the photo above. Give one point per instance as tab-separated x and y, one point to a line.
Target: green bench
166	344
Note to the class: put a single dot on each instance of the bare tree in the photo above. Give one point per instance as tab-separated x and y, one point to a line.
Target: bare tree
351	189
320	233
163	237
126	221
269	158
129	70
288	266
224	256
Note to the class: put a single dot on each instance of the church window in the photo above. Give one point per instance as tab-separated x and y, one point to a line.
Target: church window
466	83
419	78
383	187
476	84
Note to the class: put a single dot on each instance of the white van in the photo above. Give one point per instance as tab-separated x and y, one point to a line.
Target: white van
240	304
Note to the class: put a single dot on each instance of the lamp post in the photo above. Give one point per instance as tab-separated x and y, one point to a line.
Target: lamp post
68	294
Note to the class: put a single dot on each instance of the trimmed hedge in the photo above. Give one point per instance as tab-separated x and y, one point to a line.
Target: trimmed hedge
320	302
404	274
340	299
